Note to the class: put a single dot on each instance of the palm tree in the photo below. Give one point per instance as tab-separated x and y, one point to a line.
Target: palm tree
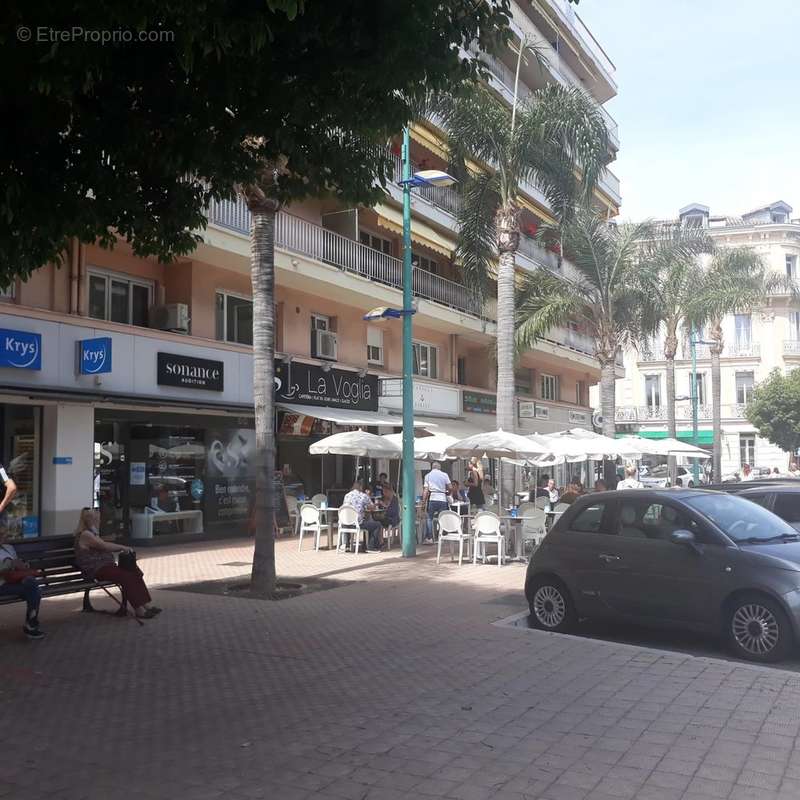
608	293
673	256
737	281
557	139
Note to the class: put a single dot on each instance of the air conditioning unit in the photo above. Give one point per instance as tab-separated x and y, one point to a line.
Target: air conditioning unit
577	417
325	345
171	317
542	412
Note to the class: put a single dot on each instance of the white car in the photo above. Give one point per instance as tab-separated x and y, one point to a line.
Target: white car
658	478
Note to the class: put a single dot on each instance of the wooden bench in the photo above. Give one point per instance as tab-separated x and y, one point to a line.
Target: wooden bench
142	524
55	557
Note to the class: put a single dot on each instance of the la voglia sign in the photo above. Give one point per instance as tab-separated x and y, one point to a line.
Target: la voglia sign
190	373
310	385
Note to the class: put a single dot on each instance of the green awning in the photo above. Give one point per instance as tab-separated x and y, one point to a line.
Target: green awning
705	438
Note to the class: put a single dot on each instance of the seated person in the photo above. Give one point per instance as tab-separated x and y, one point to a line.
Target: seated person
389	516
377	487
600	485
95	559
571	494
362	503
456	493
475	493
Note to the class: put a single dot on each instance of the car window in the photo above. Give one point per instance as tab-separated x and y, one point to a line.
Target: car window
740	519
787	507
590	520
644	519
761	499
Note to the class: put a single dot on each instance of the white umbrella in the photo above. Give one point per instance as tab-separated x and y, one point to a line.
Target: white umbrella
664	447
499	444
356	443
582	445
426	448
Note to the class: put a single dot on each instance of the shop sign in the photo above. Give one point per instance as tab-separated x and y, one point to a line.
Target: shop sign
190	373
428	397
479	403
577	417
309	384
527	409
94	356
230	474
20	349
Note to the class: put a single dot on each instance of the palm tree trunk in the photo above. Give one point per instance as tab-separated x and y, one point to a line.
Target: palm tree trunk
670	348
508	242
608	394
715	333
262	273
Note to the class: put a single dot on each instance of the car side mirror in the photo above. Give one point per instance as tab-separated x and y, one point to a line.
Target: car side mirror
686	538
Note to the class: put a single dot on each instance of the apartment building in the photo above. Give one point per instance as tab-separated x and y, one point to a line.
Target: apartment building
127	384
755	344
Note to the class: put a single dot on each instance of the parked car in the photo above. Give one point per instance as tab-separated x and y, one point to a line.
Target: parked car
658	477
700	560
782	499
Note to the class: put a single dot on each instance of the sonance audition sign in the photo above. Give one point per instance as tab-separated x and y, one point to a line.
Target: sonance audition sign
190	373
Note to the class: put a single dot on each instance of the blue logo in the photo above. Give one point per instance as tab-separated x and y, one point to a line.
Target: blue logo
20	349
94	356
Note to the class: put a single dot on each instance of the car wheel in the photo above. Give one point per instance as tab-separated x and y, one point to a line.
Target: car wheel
758	629
551	605
691	484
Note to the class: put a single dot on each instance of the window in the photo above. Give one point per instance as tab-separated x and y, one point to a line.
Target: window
791	267
549	387
787	507
743	331
641	519
320	323
9	293
323	338
777	217
425	360
794	326
652	391
374	345
744	388
701	388
375	242
694	221
589	520
119	299
580	393
234	318
523	381
423	262
461	371
747	449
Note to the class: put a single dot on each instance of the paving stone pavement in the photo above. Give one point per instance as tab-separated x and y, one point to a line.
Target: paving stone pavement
395	685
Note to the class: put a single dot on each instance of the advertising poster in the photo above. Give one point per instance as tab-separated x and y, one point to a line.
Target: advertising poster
230	475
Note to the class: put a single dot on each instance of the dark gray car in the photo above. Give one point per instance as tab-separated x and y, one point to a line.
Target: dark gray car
694	559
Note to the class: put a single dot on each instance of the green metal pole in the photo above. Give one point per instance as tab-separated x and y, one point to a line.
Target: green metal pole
693	346
409	492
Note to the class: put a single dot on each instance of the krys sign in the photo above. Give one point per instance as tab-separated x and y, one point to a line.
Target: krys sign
309	384
94	356
20	349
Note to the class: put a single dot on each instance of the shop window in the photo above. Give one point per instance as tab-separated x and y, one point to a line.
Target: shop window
549	387
117	298
20	442
234	318
425	360
375	345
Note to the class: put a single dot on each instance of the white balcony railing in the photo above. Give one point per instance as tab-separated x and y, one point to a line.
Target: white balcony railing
683	413
443	197
791	347
703	351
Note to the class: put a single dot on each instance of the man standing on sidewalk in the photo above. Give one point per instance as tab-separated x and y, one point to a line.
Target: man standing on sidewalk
437	487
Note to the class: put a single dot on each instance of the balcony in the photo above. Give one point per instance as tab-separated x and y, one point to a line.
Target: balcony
443	197
703	352
791	347
742	350
683	413
531	249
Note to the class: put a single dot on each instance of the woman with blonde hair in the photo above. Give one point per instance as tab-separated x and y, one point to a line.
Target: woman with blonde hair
95	559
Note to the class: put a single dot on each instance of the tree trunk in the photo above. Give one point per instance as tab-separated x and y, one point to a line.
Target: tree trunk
670	348
608	395
262	273
715	334
507	243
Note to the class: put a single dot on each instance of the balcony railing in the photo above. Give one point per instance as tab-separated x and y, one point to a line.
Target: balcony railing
531	248
703	351
683	413
742	350
791	347
443	197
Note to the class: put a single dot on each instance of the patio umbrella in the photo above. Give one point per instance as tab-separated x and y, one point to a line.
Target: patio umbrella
426	448
499	444
356	443
664	447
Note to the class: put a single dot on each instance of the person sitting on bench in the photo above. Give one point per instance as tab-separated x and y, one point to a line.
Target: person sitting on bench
27	588
95	559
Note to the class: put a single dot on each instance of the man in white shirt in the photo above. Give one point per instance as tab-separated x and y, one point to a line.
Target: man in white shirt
630	481
437	487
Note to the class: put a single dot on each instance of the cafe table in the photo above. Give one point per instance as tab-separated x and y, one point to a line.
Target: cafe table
328	522
508	523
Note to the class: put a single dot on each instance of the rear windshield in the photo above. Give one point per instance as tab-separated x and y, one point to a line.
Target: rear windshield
740	519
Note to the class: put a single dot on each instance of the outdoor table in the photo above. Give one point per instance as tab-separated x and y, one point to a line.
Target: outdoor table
507	521
461	507
328	523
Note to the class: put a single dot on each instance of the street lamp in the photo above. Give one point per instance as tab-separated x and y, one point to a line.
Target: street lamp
427	177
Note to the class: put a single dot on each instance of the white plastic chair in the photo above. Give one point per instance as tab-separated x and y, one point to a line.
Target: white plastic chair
318	499
348	523
390	533
451	530
533	523
542	502
487	531
294	513
310	522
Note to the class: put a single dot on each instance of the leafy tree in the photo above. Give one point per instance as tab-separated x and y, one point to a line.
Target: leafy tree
283	98
552	137
737	281
608	293
775	410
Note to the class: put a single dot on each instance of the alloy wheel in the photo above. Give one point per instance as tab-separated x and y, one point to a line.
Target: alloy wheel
549	606
755	629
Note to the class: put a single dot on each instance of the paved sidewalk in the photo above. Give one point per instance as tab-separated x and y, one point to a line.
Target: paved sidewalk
395	685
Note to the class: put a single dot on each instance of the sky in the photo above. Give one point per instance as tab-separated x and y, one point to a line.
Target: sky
708	105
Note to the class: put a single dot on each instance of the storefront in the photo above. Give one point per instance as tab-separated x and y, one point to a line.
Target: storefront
20	434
